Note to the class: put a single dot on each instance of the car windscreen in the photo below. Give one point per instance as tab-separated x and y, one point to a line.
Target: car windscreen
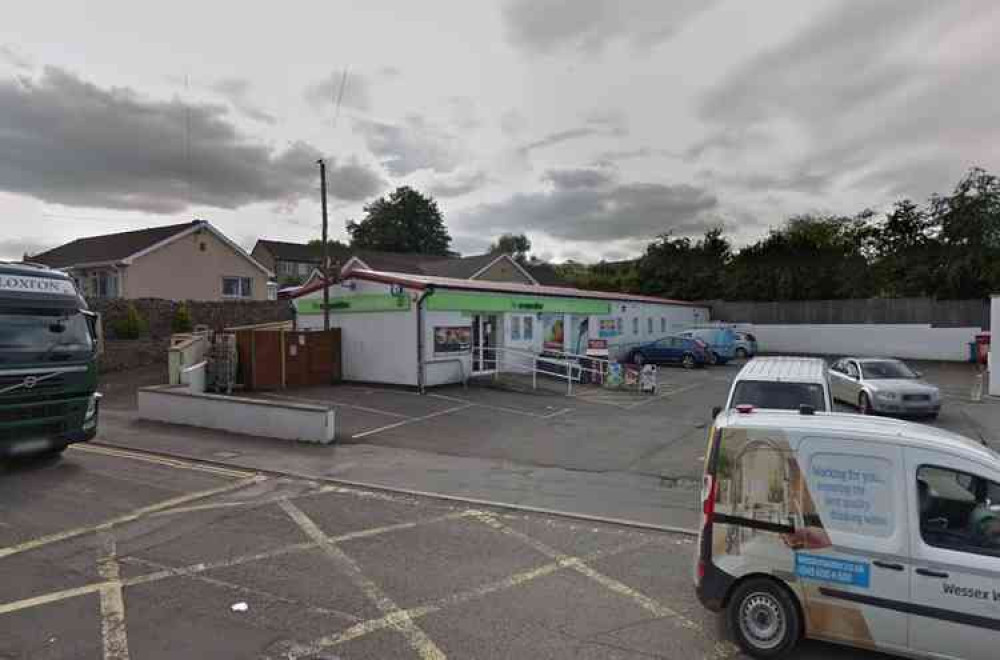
778	395
886	369
42	334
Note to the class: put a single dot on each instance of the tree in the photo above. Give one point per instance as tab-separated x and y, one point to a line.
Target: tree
406	221
969	219
679	268
907	252
516	245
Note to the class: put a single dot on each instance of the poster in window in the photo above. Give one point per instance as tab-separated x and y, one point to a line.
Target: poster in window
608	328
449	340
554	331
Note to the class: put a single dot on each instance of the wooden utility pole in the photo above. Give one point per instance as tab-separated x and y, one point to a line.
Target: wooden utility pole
325	266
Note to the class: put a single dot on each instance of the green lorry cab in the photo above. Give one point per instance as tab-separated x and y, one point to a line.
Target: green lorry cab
48	362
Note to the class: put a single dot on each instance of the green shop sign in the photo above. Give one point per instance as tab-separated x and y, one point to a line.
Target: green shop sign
454	301
362	302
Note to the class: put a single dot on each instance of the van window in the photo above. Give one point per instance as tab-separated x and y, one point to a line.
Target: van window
779	396
958	510
853	493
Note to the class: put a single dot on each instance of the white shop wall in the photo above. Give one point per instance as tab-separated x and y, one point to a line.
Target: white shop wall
643	322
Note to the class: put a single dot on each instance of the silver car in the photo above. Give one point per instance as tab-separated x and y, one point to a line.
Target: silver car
883	385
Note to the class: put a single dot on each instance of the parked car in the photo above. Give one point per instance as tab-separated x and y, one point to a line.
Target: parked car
883	385
746	345
689	353
782	383
871	532
721	342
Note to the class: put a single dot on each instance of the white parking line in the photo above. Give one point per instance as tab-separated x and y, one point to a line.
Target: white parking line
113	634
334	402
665	395
411	420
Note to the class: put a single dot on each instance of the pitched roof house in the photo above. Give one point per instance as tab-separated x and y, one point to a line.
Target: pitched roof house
189	261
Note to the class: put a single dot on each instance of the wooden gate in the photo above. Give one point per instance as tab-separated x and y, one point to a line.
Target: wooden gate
273	359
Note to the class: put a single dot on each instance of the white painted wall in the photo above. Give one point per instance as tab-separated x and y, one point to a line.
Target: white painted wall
908	340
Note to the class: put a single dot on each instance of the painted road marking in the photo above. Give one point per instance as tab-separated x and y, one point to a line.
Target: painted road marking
410	421
517	579
159	460
609	583
128	517
113	633
402	623
333	402
666	394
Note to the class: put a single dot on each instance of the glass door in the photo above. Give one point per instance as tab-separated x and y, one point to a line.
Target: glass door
484	342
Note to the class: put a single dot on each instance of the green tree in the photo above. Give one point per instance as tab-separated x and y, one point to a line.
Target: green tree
969	219
406	221
182	321
677	267
516	245
907	252
132	326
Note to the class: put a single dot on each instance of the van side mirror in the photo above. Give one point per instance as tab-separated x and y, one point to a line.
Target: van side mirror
715	411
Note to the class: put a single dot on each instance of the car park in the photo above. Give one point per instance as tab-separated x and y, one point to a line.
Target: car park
721	342
689	353
782	383
883	385
871	532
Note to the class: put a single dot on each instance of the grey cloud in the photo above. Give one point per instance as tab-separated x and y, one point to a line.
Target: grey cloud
236	90
578	178
874	105
568	135
796	181
353	181
512	123
465	113
324	93
14	249
546	25
412	145
390	71
81	145
609	157
457	185
14	57
626	211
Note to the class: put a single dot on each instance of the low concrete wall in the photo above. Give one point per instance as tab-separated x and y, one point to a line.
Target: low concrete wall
910	340
272	419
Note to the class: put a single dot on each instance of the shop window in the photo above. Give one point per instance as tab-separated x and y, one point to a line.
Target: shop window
620	324
528	328
515	328
635	325
649	325
663	325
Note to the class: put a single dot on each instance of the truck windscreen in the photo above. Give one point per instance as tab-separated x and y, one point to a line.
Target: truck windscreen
43	334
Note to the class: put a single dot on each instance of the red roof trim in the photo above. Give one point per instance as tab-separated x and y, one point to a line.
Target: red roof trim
492	287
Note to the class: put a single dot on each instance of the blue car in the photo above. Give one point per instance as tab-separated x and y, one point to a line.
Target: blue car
721	343
689	353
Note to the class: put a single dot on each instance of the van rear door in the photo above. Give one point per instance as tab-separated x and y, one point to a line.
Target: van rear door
956	561
858	558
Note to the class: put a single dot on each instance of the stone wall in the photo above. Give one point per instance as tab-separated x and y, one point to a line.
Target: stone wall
159	313
125	354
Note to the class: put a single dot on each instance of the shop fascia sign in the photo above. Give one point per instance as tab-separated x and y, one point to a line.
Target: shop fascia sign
456	301
362	302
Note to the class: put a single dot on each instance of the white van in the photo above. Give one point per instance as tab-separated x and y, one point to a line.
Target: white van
871	532
782	383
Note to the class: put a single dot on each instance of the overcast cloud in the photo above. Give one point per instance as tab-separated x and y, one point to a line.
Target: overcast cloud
590	125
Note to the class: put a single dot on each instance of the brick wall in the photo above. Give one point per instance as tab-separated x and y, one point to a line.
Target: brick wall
159	313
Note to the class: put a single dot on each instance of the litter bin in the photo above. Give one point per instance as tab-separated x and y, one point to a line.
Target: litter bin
982	347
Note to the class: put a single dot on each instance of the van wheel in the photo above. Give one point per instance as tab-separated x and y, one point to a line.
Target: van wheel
764	618
688	361
741	353
865	404
713	357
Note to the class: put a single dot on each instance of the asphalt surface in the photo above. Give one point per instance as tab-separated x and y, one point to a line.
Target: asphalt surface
113	554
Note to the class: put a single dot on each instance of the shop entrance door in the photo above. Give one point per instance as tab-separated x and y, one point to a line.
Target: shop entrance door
484	342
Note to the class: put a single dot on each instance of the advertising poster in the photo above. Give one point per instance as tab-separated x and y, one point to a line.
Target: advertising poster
449	340
554	328
608	328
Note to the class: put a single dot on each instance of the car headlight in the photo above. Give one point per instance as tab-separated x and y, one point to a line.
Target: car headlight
888	396
92	405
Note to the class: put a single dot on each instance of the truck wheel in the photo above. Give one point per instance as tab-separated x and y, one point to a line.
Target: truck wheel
688	361
764	618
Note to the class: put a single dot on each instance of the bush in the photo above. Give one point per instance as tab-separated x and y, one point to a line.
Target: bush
130	327
182	320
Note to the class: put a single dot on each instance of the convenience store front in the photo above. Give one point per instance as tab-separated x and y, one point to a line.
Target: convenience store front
419	330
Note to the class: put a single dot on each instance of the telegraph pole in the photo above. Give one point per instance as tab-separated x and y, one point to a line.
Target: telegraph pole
324	267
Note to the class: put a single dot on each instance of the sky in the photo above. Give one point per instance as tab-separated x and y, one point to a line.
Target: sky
592	126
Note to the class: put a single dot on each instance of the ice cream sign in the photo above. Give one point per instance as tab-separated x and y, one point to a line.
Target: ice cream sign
43	285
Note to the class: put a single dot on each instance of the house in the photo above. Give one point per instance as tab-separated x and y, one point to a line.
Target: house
298	264
189	261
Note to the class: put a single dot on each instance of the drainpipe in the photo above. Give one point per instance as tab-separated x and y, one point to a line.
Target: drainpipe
428	292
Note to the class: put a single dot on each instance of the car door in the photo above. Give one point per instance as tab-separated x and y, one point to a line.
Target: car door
852	382
837	377
656	351
956	574
853	552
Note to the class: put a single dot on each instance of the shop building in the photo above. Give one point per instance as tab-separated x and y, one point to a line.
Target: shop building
416	330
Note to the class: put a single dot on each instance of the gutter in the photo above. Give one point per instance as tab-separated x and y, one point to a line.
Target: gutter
427	293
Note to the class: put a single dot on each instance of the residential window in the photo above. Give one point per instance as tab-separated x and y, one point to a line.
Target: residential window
528	329
104	285
286	268
304	268
515	328
635	325
237	287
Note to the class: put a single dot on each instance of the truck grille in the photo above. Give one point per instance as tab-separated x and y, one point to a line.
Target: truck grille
916	397
29	412
36	431
50	383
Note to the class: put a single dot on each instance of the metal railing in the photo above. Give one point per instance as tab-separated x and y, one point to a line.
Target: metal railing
561	365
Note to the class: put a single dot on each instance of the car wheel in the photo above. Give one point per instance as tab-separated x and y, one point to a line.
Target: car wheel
688	362
865	404
741	354
638	359
764	618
